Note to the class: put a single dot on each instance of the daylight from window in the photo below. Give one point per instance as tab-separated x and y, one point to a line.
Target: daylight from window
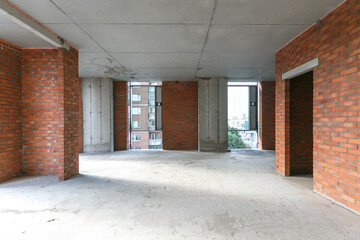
239	135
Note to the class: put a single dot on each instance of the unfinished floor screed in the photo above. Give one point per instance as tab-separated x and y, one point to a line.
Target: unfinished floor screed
172	195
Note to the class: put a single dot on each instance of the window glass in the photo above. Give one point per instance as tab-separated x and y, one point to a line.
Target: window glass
136	97
136	137
151	122
136	124
136	111
238	108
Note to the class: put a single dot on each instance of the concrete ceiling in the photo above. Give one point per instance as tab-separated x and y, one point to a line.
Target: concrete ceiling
171	39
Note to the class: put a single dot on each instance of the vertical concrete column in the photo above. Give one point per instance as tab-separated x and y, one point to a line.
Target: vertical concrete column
212	109
97	114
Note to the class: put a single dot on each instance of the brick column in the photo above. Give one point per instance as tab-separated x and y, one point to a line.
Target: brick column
180	115
50	112
267	115
121	122
10	111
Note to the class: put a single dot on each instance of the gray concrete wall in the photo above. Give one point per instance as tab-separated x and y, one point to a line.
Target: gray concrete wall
213	126
97	95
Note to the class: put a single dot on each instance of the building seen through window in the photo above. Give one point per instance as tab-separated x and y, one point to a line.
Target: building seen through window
143	116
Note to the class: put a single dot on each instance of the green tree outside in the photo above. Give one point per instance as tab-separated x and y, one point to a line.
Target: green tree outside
234	140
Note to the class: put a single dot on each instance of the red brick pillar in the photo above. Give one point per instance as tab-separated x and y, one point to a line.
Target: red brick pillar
81	127
10	111
50	112
121	122
180	115
267	115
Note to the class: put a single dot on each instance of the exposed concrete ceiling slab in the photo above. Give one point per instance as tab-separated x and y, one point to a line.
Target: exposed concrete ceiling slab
229	73
138	11
75	36
266	74
44	11
88	60
171	39
249	39
234	60
140	65
164	73
272	12
4	19
158	60
148	38
139	73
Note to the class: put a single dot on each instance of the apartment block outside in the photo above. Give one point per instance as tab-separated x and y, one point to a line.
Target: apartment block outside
142	114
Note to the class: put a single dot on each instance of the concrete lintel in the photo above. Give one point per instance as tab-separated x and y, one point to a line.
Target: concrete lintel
306	67
34	27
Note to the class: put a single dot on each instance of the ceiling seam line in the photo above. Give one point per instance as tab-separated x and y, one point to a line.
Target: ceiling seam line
265	70
206	38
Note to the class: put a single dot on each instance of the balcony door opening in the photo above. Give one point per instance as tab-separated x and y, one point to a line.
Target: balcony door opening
145	115
242	115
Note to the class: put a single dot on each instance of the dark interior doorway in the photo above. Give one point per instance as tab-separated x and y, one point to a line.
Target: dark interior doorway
301	124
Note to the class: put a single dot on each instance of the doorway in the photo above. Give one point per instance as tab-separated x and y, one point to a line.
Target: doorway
145	115
301	124
242	115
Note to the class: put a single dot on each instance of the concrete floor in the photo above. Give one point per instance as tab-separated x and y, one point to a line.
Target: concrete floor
172	195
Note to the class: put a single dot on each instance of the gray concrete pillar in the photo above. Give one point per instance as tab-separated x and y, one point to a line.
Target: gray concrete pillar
213	125
97	96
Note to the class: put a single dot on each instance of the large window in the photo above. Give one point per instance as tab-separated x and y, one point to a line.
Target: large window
145	105
242	115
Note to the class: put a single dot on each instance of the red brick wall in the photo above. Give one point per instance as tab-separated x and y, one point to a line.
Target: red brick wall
81	127
267	115
301	124
140	144
336	154
121	123
50	110
42	111
180	115
72	99
10	110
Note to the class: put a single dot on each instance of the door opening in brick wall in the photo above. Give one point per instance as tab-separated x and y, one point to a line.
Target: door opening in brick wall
301	124
242	115
145	115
